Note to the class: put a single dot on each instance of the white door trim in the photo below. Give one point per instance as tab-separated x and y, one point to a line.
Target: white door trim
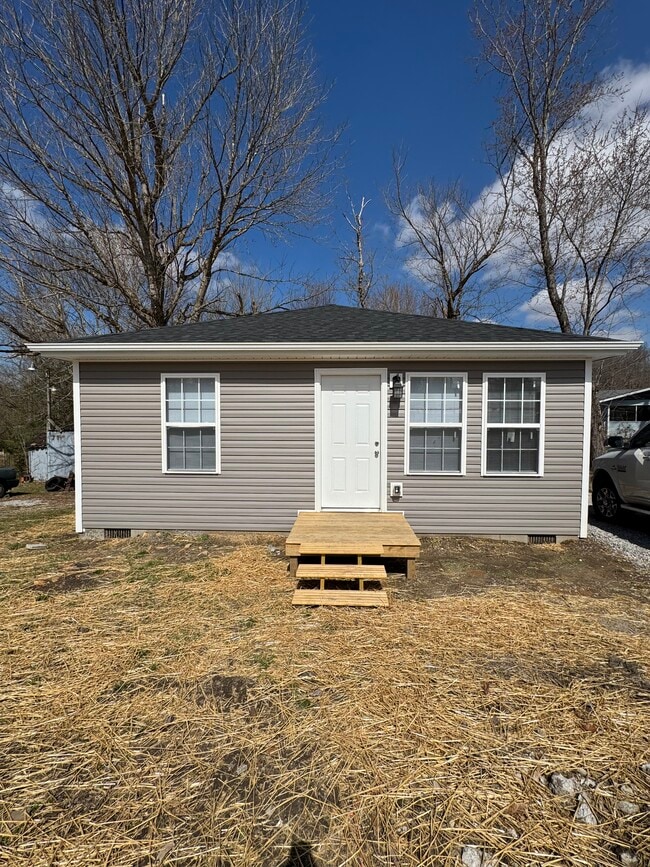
319	372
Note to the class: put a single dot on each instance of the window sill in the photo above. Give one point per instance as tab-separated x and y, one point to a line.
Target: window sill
451	474
512	475
191	472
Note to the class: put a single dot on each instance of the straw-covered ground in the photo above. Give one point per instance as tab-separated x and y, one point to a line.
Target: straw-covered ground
163	703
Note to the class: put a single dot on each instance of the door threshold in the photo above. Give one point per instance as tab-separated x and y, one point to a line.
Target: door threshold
352	509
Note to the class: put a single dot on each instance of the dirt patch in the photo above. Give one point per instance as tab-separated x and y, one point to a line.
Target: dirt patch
225	690
243	775
454	565
628	626
191	548
222	691
81	577
611	673
67	582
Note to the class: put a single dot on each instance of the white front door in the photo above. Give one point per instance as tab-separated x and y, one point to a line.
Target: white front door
351	456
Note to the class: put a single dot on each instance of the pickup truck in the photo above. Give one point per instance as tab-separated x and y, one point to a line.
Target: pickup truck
8	480
622	477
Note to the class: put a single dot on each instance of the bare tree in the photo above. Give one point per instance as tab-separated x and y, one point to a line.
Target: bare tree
400	297
451	240
140	141
580	216
23	395
581	165
601	184
358	262
316	293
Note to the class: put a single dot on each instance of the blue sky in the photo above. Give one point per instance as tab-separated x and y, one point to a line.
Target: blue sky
402	75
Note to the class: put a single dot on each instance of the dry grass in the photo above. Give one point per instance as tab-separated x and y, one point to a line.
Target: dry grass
163	703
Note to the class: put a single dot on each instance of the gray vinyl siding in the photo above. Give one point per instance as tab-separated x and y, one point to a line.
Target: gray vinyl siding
490	505
267	454
267	449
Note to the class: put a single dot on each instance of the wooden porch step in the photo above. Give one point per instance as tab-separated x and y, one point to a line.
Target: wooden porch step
340	572
362	598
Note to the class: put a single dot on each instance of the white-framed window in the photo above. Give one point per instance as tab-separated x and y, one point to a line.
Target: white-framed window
436	423
513	424
190	423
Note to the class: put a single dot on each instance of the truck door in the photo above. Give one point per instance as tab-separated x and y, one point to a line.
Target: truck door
639	468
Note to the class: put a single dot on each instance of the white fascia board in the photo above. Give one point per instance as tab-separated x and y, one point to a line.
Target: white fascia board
365	351
623	395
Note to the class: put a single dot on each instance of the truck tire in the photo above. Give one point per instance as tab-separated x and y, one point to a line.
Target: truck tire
606	501
3	490
56	483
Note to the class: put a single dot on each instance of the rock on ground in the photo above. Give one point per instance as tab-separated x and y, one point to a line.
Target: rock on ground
570	784
584	813
476	856
628	808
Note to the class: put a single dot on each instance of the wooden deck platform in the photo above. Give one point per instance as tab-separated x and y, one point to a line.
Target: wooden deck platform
382	534
320	541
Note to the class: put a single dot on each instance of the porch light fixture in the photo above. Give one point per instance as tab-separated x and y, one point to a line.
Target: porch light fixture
397	387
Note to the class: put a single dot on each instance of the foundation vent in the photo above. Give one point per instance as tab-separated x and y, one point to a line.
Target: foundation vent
542	540
114	533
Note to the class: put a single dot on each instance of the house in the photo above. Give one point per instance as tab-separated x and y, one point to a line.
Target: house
239	424
51	455
624	410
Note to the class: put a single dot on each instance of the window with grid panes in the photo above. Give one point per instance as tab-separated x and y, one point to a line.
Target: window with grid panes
513	424
190	407
435	415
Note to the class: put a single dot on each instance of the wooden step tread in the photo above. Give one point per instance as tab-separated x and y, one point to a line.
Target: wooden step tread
363	598
341	572
374	549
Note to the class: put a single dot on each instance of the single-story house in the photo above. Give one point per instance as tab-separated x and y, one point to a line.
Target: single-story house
624	410
239	424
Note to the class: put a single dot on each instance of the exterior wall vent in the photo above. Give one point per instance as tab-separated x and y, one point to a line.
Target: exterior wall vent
542	540
113	533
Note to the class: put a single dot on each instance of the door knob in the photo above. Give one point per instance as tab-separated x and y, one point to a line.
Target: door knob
376	453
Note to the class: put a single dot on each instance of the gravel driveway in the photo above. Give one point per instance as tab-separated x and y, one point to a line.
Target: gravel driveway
629	538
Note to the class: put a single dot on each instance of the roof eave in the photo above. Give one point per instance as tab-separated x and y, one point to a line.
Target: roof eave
623	394
362	351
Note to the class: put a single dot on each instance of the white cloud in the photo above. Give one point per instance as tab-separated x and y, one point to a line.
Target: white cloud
382	229
635	86
22	210
538	313
227	261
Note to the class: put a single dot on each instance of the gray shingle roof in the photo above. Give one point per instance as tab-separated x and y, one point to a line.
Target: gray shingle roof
607	394
332	324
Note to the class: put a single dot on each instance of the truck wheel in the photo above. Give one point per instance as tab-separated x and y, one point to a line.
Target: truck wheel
56	483
607	503
3	491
